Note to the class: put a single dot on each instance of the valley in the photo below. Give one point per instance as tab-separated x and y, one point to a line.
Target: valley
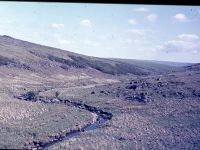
55	99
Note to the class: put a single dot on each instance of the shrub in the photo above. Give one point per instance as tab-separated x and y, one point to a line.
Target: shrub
80	62
31	95
92	92
73	63
132	87
6	61
65	67
57	93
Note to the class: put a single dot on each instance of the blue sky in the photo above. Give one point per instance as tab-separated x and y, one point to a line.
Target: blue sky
154	32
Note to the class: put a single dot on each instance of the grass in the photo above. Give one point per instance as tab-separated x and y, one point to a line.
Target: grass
136	129
6	61
165	123
162	122
80	62
29	121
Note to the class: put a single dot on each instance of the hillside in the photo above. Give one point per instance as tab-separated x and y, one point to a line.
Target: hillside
56	99
194	67
154	66
37	58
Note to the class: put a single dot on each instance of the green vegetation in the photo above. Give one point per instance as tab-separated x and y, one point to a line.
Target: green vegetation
159	111
117	69
31	95
66	62
11	62
80	62
6	61
57	93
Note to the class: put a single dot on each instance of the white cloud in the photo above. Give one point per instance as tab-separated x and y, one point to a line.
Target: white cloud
183	43
91	43
103	37
62	41
109	48
132	22
188	37
126	41
6	22
140	32
180	18
178	45
195	51
142	9
57	25
152	17
86	23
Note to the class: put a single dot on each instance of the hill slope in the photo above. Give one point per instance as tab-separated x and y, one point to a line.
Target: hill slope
194	67
43	59
51	98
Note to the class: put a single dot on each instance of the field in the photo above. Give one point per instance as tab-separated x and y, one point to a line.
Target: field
55	99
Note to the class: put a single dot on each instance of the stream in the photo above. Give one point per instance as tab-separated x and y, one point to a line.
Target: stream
102	118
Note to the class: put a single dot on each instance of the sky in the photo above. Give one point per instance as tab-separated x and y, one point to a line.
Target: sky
150	32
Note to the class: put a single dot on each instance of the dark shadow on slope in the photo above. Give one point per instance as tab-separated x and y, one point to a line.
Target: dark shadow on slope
4	61
104	67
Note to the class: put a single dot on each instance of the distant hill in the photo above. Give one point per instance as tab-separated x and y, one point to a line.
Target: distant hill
153	66
23	55
193	67
170	63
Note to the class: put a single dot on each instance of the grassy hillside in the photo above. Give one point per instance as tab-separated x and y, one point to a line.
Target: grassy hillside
194	67
34	57
153	66
47	93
